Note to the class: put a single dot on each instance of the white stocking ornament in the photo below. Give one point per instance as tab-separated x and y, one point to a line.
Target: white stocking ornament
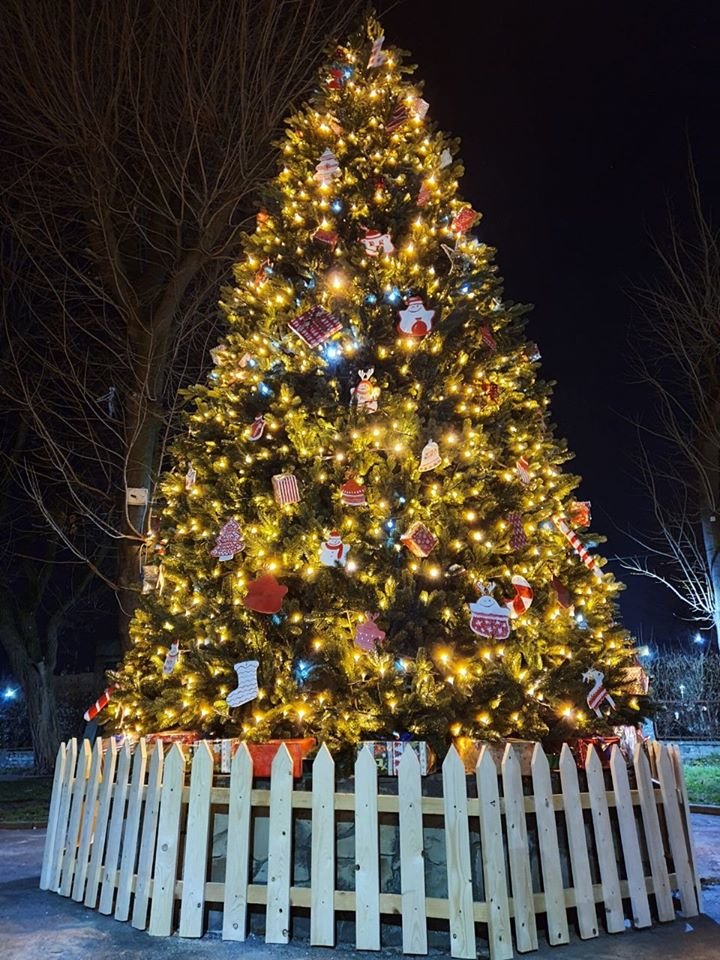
247	688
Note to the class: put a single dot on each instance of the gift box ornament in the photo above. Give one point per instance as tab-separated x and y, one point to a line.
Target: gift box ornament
419	540
377	54
328	238
285	489
352	493
579	513
397	118
388	754
522	468
315	326
487	617
415	320
463	220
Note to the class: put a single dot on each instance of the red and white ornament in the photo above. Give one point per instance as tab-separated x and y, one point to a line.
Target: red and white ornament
171	659
522	468
397	118
190	477
229	541
564	597
247	688
598	694
573	539
102	701
376	243
446	158
368	634
366	393
430	457
424	195
377	54
518	540
333	552
420	107
579	513
265	594
327	237
315	326
415	320
257	427
522	601
285	489
487	617
419	540
327	168
488	339
352	493
463	220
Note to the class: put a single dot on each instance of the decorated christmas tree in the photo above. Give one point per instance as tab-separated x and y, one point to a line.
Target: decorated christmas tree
368	531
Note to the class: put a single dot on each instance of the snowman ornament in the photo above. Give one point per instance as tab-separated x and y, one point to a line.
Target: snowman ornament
415	320
376	243
333	552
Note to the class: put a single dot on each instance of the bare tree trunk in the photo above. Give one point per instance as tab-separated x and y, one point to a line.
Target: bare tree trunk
710	525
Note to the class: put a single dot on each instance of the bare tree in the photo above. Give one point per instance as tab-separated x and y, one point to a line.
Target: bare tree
135	135
680	360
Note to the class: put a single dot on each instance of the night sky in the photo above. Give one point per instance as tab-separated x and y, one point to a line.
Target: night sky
575	120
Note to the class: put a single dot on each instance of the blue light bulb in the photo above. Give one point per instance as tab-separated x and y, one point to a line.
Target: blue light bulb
336	206
371	298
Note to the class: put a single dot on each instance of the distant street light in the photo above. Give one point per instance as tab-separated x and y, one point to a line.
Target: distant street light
699	639
9	693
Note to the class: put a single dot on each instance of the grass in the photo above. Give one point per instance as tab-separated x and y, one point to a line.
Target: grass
703	779
25	800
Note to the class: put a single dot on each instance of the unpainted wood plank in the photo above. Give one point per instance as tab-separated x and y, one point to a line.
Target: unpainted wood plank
46	869
77	805
101	825
676	832
367	853
277	924
132	831
167	847
653	836
192	904
629	840
558	931
518	853
493	858
577	844
115	831
88	823
681	786
609	877
457	847
322	862
146	857
412	862
237	867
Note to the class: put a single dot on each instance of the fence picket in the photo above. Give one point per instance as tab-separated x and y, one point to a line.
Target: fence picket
192	905
53	818
653	836
518	853
493	858
457	847
412	862
101	824
277	924
56	859
238	846
577	844
677	765
147	840
88	824
115	832
676	833
132	827
168	845
558	931
322	859
629	840
367	854
82	771
609	877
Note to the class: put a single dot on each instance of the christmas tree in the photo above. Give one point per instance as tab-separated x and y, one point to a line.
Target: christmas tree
368	520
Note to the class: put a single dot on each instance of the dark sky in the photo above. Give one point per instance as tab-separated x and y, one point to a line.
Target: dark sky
575	120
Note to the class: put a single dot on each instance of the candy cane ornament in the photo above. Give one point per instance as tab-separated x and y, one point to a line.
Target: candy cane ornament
523	598
100	704
574	541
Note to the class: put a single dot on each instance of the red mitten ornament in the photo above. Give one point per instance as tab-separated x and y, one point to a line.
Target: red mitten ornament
264	595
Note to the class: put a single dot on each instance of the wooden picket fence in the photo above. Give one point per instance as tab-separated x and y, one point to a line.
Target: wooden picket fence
129	837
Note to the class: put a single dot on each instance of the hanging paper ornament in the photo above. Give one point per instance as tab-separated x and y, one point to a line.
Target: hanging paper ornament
377	54
150	576
333	552
518	540
102	701
247	688
366	393
598	694
419	540
257	428
352	493
487	617
368	634
579	513
491	391
415	319
522	601
564	597
190	477
246	360
463	220
171	659
522	468
496	304
264	595
637	679
261	276
532	352
573	539
420	107
430	457
424	195
285	489
336	78
327	168
315	326
376	243
397	118
261	217
229	542
488	339
446	158
328	238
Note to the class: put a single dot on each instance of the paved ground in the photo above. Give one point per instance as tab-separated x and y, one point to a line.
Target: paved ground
35	925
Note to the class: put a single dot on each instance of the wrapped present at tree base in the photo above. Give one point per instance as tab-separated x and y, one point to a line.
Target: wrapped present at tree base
387	754
603	747
170	737
263	754
469	751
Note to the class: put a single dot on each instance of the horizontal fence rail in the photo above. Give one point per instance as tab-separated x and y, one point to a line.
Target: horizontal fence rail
510	856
